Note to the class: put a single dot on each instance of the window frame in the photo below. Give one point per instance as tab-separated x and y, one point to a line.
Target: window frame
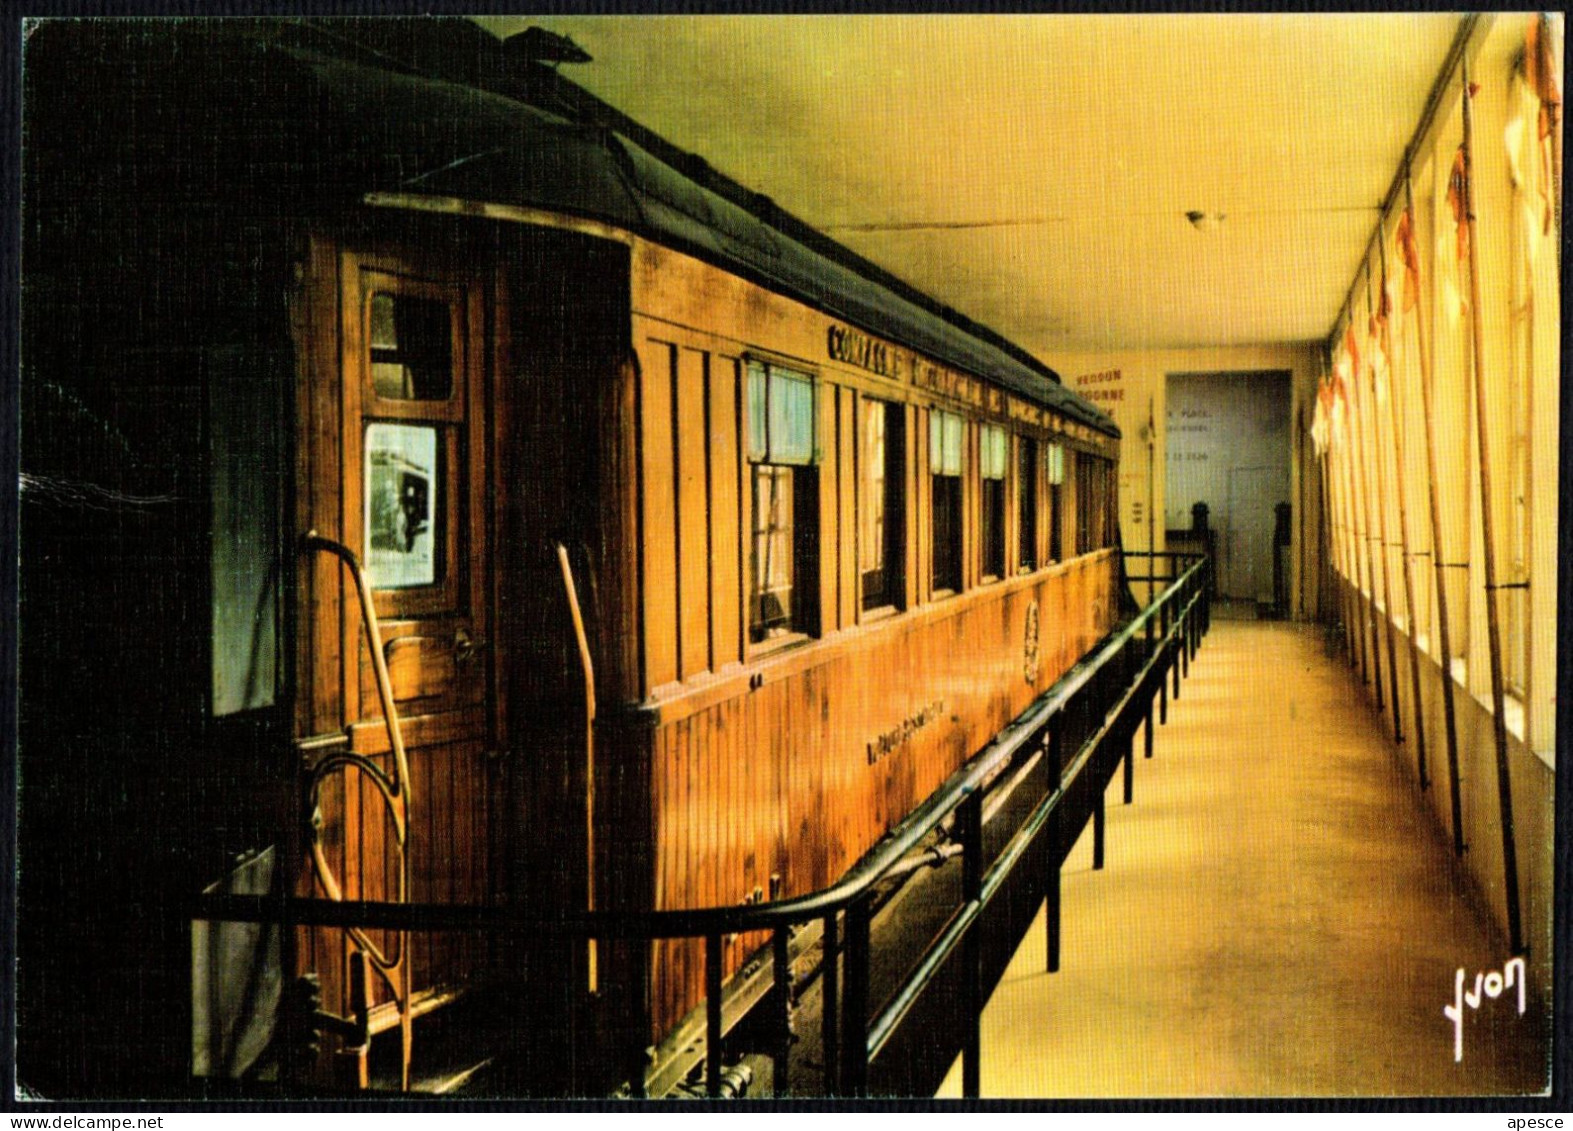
947	476
993	476
802	461
453	507
1054	477
892	502
1028	504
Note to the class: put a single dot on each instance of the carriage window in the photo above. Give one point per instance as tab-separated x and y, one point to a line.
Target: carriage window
784	539
1092	503
411	342
402	486
945	484
880	537
1027	503
992	458
1054	468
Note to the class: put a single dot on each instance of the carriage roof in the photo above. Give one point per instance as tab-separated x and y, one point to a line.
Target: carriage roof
441	108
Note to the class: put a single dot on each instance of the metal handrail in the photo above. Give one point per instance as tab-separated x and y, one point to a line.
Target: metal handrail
742	918
397	795
1180	614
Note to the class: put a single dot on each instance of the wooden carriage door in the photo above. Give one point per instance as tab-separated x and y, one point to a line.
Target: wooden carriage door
413	439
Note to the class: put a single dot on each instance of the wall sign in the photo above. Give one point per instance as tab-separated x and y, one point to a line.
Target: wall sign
895	738
1106	385
856	348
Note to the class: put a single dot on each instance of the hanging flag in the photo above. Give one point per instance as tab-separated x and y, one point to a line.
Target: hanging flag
1541	71
1409	253
1540	67
1352	352
1378	354
1319	418
1457	193
1338	411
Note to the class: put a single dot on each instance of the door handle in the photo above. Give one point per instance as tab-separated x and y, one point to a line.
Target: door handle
466	646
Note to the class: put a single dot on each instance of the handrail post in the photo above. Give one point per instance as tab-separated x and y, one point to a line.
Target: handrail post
1163	694
1193	634
1176	659
1207	594
1128	736
854	1051
830	1021
1147	629
1098	819
783	979
1051	877
713	1016
970	816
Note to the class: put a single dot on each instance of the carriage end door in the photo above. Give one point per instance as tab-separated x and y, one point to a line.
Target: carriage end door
397	447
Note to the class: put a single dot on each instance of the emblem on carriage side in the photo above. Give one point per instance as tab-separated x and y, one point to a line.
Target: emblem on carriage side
1029	652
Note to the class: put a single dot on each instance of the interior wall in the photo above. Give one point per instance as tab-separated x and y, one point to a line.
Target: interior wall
1493	367
1132	386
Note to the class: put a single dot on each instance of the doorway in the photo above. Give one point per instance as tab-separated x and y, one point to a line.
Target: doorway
396	608
1228	448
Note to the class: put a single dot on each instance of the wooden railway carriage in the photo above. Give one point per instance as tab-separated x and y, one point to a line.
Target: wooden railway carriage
576	404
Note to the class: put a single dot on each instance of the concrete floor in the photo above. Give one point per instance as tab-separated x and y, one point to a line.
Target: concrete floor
1278	915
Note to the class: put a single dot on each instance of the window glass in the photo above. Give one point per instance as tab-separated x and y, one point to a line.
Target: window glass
945	462
880	537
992	452
991	463
780	415
772	551
1093	504
783	541
1027	504
944	443
791	419
411	341
1054	463
758	434
872	543
402	488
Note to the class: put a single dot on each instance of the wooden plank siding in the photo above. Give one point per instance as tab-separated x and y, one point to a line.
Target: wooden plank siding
689	410
658	509
827	405
728	531
781	780
846	472
791	761
922	497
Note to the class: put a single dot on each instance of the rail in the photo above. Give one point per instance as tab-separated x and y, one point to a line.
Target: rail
397	797
1084	724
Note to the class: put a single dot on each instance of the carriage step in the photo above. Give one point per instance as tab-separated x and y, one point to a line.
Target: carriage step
449	1055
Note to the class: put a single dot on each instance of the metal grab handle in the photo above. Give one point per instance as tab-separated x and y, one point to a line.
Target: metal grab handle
368	610
588	668
396	796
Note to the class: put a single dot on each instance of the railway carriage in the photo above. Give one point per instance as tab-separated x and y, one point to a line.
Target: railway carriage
439	488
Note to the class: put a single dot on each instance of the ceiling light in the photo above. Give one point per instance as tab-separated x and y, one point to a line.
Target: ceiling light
1205	221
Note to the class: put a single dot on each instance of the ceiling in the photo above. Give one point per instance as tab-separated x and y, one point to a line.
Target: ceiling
1035	171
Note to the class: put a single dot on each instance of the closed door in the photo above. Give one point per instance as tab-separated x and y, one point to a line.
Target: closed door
397	450
1248	519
